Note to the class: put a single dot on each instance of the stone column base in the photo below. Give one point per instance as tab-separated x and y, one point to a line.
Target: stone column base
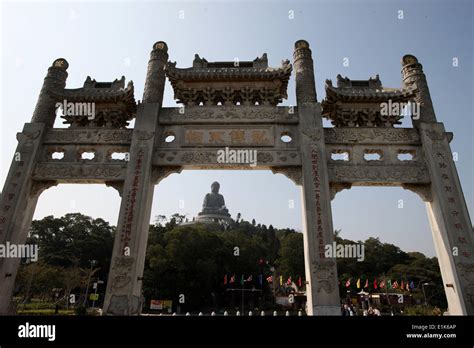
326	310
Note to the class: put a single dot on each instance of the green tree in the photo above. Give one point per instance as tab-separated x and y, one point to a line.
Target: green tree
190	262
291	261
73	240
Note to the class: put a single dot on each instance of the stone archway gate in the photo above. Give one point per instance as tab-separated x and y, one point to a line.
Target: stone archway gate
235	104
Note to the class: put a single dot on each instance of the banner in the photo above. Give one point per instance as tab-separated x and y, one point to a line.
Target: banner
161	304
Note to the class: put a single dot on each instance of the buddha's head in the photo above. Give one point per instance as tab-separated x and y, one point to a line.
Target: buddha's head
215	187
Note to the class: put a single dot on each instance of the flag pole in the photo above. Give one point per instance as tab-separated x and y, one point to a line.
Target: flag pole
386	293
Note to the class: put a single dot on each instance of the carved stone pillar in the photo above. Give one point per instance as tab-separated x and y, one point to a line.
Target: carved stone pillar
17	206
304	73
450	222
155	77
413	74
45	110
321	273
123	294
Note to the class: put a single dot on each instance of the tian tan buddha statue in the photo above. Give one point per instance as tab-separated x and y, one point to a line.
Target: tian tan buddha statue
213	207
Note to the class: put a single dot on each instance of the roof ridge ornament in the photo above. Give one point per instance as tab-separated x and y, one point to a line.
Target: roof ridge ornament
198	62
114	85
345	82
261	62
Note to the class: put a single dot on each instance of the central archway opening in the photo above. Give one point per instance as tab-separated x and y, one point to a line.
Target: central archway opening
251	262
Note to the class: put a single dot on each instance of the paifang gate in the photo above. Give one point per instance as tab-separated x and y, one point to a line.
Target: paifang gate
235	104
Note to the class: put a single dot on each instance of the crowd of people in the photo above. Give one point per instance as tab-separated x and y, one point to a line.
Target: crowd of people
351	310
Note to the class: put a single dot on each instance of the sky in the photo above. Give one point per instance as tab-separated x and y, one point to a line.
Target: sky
106	40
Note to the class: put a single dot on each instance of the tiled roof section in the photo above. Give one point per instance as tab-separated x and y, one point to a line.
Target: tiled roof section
357	103
94	91
244	73
365	91
114	103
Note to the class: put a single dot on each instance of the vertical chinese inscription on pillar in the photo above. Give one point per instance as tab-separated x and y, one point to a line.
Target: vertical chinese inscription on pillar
131	202
456	221
455	213
317	196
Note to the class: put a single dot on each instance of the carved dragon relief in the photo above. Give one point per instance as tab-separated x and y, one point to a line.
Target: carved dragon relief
379	135
78	171
210	157
95	136
229	114
379	174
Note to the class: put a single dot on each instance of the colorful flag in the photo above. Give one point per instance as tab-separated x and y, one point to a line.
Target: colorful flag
281	280
389	284
300	282
358	283
232	279
260	279
225	279
366	283
249	279
408	286
395	285
375	283
412	285
288	282
270	279
402	286
348	283
382	284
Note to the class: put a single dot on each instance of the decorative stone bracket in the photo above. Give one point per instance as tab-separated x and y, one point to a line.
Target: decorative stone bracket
37	187
159	173
291	172
422	190
338	187
118	185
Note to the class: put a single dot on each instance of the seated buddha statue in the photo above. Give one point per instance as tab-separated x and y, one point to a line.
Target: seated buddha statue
214	203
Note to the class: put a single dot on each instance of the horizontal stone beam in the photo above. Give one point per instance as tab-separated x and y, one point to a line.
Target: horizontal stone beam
208	158
359	135
94	136
80	173
229	115
234	135
384	175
